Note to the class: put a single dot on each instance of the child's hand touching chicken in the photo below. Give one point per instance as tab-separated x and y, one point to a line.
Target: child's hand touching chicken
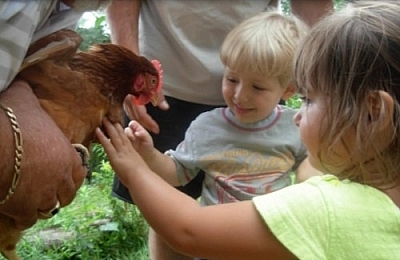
132	148
140	139
123	157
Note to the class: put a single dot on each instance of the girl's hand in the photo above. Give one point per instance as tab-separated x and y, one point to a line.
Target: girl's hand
124	159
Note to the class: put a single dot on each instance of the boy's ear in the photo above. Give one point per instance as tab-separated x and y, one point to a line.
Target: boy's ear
380	106
289	91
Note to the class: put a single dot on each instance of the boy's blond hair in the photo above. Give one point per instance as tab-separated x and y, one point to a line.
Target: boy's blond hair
265	44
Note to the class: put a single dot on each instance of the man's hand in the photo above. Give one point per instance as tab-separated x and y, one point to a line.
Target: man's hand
139	113
51	169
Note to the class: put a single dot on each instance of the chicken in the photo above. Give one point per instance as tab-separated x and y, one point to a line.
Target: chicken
79	89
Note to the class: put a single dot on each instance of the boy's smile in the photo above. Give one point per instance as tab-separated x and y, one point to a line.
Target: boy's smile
250	96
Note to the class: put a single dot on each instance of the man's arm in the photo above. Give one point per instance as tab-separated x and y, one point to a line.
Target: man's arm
311	11
123	19
51	170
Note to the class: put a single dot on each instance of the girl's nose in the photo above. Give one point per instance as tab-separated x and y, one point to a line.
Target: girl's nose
297	118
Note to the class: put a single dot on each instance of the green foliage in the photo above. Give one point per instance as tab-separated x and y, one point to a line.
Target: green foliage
97	158
95	34
294	102
285	5
102	227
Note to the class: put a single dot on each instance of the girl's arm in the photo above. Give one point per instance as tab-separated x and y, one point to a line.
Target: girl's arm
226	231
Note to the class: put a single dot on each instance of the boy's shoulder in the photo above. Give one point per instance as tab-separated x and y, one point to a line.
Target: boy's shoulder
286	112
208	116
286	109
213	112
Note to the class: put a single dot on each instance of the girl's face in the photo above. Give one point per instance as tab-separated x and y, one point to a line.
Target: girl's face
312	122
250	96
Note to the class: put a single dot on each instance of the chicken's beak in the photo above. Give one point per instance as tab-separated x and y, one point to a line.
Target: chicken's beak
154	99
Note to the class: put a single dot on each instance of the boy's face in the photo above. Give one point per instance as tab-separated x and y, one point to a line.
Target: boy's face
250	96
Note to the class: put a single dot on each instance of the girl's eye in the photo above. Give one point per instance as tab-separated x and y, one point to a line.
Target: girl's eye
305	100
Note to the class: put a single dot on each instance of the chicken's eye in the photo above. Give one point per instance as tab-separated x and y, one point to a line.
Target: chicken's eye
154	81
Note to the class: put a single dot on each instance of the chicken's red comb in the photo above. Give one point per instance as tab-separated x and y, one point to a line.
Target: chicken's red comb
157	65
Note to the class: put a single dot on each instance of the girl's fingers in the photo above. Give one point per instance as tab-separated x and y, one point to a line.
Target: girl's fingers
103	140
115	133
112	133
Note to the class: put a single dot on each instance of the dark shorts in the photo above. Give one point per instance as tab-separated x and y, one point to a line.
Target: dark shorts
173	124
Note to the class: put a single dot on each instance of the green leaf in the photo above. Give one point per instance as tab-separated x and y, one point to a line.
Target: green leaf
99	21
110	226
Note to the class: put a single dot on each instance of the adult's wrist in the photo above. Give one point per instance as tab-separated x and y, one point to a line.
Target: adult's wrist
18	151
6	155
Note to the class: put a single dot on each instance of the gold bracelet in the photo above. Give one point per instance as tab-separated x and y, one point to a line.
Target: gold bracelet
18	151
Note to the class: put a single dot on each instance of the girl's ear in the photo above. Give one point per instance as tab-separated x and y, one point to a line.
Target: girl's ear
380	108
289	91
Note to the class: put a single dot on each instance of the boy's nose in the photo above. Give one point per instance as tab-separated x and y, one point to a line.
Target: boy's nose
240	93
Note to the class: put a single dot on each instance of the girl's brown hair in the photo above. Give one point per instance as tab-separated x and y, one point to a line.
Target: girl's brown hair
346	57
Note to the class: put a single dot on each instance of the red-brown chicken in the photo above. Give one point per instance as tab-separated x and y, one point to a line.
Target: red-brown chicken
78	89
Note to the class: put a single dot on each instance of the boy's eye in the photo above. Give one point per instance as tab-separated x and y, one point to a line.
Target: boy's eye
232	80
258	88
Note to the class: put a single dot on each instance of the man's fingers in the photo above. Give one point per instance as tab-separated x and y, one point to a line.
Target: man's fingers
162	102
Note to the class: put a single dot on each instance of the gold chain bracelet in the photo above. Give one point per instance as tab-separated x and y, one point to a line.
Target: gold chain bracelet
18	151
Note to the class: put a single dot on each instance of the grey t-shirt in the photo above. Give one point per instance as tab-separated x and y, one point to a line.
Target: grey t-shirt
240	160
